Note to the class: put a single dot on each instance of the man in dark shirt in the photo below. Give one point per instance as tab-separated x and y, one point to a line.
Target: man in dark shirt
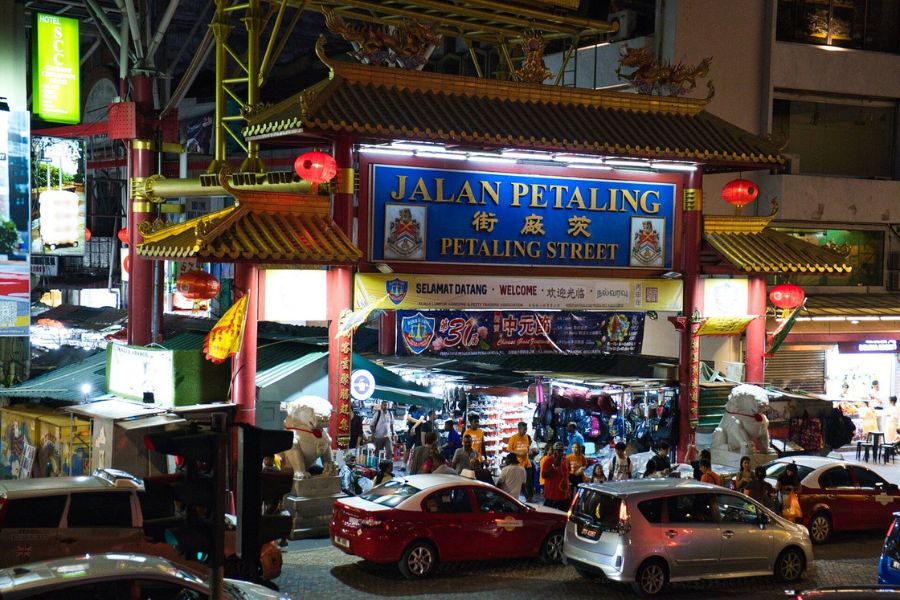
659	465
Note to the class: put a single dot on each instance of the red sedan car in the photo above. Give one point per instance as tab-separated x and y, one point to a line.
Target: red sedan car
418	520
836	495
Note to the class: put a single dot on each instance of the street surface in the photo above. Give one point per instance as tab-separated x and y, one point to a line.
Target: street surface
315	569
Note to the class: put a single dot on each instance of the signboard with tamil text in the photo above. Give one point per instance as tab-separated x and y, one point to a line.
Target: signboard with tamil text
399	291
433	215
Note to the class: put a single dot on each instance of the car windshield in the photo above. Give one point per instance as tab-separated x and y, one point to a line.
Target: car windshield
391	493
773	470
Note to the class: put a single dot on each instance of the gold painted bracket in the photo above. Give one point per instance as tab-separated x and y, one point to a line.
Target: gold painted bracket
692	200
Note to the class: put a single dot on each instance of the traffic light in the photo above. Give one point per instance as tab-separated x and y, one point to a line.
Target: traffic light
194	519
258	488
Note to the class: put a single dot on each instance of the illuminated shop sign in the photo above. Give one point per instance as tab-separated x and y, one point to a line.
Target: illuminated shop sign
55	70
877	346
474	217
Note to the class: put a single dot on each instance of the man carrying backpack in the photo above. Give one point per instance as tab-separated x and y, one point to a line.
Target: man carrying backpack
520	445
620	465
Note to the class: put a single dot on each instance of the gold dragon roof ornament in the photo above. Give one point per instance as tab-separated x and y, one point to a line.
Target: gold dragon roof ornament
407	44
661	78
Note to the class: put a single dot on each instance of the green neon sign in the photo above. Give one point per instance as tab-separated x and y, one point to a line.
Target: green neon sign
56	69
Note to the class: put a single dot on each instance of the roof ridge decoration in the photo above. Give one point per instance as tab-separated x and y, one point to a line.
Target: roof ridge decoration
533	70
515	91
661	78
408	44
739	223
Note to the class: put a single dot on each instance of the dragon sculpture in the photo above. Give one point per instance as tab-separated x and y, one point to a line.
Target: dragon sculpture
659	78
533	69
407	44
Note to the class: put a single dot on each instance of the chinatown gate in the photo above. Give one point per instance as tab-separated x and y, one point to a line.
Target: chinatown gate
467	193
477	194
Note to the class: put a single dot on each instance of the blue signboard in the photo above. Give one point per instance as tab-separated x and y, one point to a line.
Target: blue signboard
475	217
448	332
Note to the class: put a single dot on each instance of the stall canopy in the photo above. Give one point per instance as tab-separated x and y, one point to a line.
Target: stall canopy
393	388
70	384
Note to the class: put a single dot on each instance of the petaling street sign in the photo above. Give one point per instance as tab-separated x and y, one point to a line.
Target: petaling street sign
429	215
57	89
463	292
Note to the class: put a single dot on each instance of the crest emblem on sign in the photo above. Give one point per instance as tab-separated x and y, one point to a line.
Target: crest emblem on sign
417	330
646	249
405	234
396	290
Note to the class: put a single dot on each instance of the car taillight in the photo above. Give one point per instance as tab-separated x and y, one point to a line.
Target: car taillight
624	525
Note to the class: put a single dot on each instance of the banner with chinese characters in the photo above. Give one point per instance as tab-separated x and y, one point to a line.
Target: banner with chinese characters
343	391
461	292
439	332
474	217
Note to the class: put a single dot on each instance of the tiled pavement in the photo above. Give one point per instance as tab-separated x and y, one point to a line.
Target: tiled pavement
314	569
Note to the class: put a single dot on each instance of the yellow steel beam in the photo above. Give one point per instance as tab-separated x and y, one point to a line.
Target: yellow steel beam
283	38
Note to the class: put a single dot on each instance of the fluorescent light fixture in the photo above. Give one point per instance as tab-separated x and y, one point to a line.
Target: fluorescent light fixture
671	275
663	166
614	162
596	167
583	160
866	318
890	317
383	268
425	147
527	155
490	158
828	318
804	319
441	155
373	150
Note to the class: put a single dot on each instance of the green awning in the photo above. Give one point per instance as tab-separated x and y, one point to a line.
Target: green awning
393	388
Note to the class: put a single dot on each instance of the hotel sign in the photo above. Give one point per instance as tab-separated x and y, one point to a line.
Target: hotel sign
432	215
55	70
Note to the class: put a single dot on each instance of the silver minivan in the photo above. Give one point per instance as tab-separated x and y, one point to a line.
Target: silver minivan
649	532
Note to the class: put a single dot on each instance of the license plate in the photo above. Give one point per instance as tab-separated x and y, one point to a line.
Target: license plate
342	542
588	532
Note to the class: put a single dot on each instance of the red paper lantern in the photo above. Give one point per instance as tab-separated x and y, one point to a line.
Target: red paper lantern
126	263
740	192
123	235
197	285
787	295
315	167
87	234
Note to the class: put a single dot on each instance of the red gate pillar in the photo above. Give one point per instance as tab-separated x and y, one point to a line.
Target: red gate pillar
340	298
754	366
387	332
689	347
246	276
140	276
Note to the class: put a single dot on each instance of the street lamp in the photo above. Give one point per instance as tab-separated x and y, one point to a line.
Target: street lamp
85	390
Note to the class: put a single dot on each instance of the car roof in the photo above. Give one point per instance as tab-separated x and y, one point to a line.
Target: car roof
813	462
428	481
90	566
103	479
652	486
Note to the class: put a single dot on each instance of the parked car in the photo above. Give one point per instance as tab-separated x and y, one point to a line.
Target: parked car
117	577
836	495
649	532
52	517
419	520
855	592
889	563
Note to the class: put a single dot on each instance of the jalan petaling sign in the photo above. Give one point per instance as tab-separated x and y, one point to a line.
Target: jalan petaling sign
474	217
57	89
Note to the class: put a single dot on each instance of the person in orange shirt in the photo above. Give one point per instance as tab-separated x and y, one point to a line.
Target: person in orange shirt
548	450
520	445
577	462
477	435
709	476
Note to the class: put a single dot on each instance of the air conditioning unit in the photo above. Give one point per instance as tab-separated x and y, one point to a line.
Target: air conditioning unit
627	20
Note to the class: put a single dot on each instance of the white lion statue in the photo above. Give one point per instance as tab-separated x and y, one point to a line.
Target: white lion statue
308	418
744	427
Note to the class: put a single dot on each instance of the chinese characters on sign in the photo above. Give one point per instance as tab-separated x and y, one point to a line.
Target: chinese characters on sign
518	332
472	217
344	369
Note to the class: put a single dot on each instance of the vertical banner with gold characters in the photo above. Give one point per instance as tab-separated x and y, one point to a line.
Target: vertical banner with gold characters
694	379
224	339
344	368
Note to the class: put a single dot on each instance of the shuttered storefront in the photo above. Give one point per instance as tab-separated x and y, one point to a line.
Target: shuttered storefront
797	370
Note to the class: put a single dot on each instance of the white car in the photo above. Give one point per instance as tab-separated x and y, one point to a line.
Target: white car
117	577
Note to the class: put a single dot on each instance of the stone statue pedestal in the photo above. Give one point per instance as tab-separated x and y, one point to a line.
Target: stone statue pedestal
311	504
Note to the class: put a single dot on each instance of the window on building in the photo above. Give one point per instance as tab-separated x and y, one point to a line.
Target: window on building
862	24
863	250
837	139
